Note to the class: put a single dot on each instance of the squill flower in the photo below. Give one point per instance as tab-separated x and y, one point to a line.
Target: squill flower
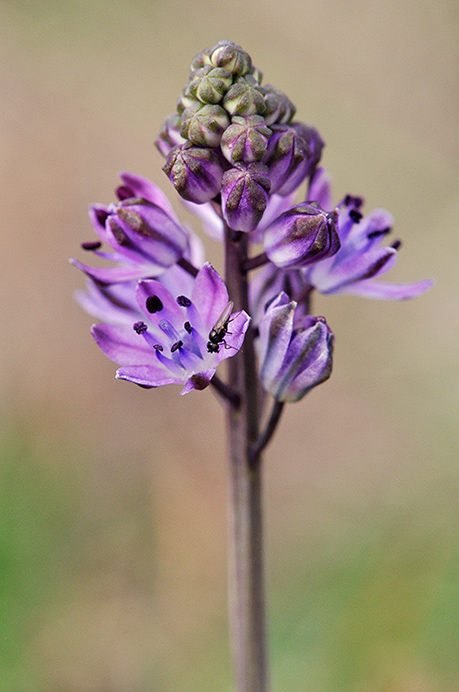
171	343
295	354
360	259
301	236
142	231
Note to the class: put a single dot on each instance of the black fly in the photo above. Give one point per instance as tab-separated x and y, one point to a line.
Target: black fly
220	330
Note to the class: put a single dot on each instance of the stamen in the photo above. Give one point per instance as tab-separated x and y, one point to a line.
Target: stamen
355	215
139	327
123	192
187	327
158	347
101	216
178	344
183	301
374	234
396	244
91	245
153	304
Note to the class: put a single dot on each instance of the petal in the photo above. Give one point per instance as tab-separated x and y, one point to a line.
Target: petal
356	268
121	344
147	375
198	381
123	272
142	187
210	295
275	333
170	310
386	290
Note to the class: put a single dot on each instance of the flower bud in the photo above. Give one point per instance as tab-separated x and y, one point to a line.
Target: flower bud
245	191
279	108
295	355
301	236
195	172
288	159
314	142
245	139
201	59
204	125
169	135
244	98
226	54
209	84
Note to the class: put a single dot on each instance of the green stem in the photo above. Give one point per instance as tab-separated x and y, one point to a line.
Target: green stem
246	573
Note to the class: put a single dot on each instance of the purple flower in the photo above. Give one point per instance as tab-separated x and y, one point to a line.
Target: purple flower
196	172
245	190
301	236
360	259
295	354
170	343
142	230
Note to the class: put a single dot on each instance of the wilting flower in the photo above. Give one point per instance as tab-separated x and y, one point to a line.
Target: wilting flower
170	343
142	231
295	354
360	258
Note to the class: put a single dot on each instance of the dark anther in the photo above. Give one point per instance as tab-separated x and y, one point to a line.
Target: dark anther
139	327
356	202
91	245
355	215
101	216
153	304
158	347
187	327
396	244
124	192
183	301
374	234
176	346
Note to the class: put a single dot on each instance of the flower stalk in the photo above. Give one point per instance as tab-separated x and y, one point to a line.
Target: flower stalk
245	525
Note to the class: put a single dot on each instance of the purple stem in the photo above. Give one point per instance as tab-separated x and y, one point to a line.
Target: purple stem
246	573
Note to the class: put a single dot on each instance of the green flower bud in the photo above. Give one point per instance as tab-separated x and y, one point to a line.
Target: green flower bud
204	125
244	98
209	84
226	54
245	139
201	59
279	108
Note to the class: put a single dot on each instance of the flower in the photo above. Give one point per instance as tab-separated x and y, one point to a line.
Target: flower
170	343
295	354
142	230
301	236
360	258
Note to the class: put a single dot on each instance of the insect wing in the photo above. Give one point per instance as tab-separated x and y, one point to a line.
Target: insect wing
223	320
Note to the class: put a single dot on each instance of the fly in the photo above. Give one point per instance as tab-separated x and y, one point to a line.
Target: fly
220	330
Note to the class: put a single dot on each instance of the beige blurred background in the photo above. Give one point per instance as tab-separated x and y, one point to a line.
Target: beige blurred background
112	498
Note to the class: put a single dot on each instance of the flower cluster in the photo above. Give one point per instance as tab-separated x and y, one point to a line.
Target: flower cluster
237	157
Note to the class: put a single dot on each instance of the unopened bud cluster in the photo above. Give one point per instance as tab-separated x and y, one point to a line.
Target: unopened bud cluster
234	140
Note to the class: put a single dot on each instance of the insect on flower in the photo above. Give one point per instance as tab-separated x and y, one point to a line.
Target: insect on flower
220	330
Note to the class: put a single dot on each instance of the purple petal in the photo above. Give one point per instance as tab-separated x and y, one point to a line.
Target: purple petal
147	375
198	381
386	290
356	268
124	272
141	187
121	344
210	295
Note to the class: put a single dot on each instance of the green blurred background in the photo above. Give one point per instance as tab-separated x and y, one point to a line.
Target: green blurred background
112	498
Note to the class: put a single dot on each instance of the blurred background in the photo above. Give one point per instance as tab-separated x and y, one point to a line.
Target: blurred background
113	498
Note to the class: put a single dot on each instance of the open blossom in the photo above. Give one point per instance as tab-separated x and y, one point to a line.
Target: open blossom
142	231
360	259
295	354
170	344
